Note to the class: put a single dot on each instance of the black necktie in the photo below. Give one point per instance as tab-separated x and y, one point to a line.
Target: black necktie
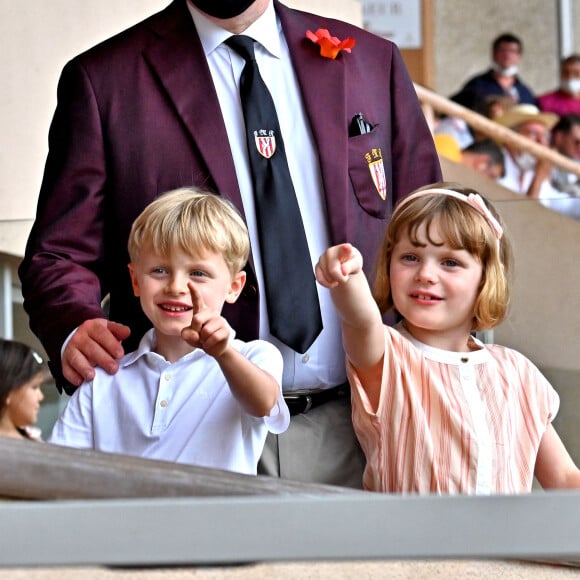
290	286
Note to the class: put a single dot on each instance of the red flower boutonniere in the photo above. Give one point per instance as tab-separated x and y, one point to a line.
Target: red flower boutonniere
330	46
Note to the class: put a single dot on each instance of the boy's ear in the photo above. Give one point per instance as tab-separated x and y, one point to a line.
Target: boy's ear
134	280
236	287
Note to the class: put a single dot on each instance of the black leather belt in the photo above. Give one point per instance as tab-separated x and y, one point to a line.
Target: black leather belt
301	402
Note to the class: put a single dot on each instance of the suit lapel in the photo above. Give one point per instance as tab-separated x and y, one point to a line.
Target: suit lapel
321	80
179	62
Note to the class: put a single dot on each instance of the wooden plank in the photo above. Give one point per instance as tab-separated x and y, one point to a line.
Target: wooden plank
32	470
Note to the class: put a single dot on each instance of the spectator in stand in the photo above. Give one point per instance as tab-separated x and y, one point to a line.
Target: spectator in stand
566	141
526	120
494	106
455	128
484	156
501	79
566	99
526	175
491	107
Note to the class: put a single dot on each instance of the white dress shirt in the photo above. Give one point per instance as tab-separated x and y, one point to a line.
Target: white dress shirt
323	364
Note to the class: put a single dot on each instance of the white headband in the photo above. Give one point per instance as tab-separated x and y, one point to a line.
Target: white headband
473	199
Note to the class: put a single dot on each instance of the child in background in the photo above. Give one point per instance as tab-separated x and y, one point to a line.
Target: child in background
435	409
191	393
22	373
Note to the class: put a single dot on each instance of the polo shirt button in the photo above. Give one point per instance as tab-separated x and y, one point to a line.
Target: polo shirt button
164	403
305	358
167	376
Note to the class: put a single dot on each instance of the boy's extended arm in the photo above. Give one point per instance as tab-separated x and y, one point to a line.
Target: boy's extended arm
554	468
340	270
255	389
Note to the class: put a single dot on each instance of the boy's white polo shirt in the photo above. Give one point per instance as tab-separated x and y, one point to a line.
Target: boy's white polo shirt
182	411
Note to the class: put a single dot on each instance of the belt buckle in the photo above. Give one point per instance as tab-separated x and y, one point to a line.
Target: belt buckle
307	402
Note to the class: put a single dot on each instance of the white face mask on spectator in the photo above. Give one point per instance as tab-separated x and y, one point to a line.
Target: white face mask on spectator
525	161
571	86
510	71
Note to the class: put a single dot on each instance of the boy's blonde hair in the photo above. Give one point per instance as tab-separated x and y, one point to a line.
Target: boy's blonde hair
191	220
463	227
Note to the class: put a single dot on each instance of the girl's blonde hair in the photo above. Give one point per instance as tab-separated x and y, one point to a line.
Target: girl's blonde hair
190	220
463	227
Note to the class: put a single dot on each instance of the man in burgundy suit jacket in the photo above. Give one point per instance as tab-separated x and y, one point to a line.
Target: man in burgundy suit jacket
139	115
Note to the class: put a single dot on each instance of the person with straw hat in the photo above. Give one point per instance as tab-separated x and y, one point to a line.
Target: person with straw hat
524	174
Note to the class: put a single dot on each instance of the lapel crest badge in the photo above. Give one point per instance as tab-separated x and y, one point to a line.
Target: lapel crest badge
265	140
377	169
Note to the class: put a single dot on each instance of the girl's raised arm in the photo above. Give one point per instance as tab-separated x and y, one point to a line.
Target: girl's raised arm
340	270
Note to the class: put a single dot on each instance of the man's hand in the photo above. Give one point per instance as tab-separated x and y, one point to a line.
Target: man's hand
337	264
95	343
208	330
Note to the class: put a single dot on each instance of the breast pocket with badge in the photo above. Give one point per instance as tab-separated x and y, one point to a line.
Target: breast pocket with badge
369	176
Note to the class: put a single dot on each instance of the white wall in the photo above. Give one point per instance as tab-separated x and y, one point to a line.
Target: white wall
36	39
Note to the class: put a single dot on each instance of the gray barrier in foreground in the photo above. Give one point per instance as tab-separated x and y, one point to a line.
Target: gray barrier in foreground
104	509
226	530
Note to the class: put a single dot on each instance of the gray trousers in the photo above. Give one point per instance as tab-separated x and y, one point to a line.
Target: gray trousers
319	447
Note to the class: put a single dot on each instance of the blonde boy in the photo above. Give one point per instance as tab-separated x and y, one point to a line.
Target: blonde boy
191	392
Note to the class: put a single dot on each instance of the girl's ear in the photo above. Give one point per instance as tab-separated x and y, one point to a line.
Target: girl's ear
236	287
134	280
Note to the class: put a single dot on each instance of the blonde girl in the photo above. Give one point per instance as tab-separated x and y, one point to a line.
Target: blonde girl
435	409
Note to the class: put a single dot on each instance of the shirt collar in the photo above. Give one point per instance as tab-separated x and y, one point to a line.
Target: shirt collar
147	344
266	30
146	347
474	357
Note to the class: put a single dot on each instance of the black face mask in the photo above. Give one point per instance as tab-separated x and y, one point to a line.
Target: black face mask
222	8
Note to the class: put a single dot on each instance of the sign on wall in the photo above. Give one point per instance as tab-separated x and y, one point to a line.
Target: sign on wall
397	20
